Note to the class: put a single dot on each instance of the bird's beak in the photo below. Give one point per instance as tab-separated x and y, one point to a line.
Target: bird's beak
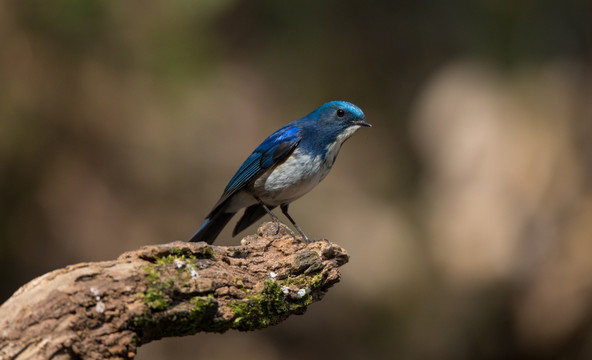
362	123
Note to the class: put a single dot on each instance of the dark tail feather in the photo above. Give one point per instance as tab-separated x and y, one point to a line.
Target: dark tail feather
252	214
209	231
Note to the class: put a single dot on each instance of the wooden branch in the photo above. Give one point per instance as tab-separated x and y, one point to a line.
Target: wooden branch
107	309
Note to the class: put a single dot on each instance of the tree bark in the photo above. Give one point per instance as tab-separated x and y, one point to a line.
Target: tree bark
107	309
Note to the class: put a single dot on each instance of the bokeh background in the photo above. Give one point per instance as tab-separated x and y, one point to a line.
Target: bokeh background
466	209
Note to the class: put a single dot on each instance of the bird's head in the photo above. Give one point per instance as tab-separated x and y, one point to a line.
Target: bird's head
340	118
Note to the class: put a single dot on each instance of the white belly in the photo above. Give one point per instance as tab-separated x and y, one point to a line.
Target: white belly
290	180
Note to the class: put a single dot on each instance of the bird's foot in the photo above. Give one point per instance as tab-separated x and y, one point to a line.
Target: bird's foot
274	230
305	238
279	225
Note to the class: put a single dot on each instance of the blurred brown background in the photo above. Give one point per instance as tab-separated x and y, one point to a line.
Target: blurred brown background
466	209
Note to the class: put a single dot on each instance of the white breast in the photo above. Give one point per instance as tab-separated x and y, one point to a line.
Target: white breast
290	180
299	174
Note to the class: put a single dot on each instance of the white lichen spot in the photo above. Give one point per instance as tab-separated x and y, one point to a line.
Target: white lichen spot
100	307
301	293
180	264
272	275
95	292
285	289
193	272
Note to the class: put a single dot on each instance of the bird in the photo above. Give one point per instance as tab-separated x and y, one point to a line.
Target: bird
285	166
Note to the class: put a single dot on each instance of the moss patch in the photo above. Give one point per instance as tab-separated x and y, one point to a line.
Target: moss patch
192	320
185	321
267	308
167	273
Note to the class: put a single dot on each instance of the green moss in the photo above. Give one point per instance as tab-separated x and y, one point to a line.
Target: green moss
152	275
167	273
161	279
177	252
258	310
208	252
156	300
192	320
188	258
143	320
267	308
316	281
298	281
304	281
175	255
154	297
185	321
202	306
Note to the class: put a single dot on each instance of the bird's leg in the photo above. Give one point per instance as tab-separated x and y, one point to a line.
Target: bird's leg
273	217
284	208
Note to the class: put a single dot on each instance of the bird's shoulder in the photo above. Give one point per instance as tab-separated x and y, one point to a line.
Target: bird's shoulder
289	134
273	149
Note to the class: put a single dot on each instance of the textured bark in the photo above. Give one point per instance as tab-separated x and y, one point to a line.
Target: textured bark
107	309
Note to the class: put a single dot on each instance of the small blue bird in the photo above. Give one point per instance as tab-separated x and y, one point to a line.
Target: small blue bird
286	165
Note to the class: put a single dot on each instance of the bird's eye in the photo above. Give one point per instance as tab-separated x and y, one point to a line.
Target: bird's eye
340	112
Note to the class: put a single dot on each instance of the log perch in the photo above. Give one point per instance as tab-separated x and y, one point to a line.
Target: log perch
105	310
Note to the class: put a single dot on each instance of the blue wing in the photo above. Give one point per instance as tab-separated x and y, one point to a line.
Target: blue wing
272	150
